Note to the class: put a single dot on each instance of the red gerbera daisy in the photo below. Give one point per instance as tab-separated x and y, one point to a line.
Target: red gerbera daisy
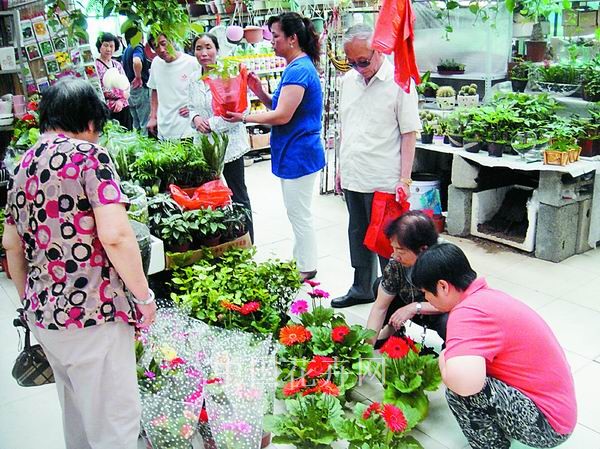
394	418
176	362
214	380
395	348
318	366
338	333
312	283
375	407
293	387
250	307
318	293
294	333
327	387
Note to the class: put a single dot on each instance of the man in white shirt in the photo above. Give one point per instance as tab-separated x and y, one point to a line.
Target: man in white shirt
379	122
169	76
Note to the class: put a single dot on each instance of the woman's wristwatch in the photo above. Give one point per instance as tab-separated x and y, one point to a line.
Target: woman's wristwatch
145	302
244	117
419	308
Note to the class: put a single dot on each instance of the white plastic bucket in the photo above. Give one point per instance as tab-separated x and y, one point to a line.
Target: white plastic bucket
422	183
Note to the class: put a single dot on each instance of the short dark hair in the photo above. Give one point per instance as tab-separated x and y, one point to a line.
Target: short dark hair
107	37
414	230
212	37
130	34
69	105
293	23
446	262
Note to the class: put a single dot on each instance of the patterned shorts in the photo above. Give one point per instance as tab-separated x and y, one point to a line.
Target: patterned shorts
500	413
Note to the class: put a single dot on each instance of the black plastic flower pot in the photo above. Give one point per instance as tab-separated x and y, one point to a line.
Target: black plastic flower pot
446	140
518	85
495	149
471	146
456	141
426	138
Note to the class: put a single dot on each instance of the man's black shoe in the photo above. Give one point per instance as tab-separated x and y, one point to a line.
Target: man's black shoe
347	301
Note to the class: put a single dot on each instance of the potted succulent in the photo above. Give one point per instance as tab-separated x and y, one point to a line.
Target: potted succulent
519	75
468	96
450	67
446	97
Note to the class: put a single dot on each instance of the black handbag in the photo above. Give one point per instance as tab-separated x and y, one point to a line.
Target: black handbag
31	367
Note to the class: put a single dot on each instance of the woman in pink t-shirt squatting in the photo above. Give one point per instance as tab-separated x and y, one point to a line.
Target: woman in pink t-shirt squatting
506	373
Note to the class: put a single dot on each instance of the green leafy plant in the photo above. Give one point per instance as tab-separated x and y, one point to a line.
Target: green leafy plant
562	144
406	374
559	74
161	206
235	221
521	70
309	422
213	151
210	222
177	230
225	68
379	426
564	129
236	292
426	85
491	124
591	79
535	111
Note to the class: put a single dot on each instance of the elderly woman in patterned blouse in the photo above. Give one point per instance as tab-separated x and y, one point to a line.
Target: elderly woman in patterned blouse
71	254
206	48
397	300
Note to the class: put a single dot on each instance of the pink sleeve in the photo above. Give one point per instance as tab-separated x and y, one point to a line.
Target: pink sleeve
472	332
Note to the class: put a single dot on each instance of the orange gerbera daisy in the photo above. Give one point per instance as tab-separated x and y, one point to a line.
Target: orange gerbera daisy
293	334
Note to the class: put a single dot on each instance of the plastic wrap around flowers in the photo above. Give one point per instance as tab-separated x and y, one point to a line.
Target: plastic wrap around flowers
171	376
235	414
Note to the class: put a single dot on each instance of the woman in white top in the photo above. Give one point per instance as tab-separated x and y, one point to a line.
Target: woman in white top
206	48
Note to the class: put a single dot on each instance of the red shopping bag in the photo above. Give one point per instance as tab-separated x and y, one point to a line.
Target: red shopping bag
229	95
384	210
212	194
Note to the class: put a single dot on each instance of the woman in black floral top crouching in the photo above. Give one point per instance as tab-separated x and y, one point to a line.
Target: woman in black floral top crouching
398	301
71	253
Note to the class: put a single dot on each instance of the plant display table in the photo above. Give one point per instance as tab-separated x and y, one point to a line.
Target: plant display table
568	217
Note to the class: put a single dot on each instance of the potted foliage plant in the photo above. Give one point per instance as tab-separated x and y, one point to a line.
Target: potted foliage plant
468	96
538	11
445	97
591	80
428	123
558	79
427	88
176	231
450	67
457	121
519	75
558	151
210	225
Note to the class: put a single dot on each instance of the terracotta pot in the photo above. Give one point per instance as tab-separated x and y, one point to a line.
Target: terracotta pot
536	50
587	147
253	34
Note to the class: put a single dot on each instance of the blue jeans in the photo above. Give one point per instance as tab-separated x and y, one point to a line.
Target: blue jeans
139	106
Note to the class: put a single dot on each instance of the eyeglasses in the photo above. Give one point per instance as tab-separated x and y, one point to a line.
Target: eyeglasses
364	63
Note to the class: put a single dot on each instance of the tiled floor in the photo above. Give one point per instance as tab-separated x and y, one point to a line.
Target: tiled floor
565	294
